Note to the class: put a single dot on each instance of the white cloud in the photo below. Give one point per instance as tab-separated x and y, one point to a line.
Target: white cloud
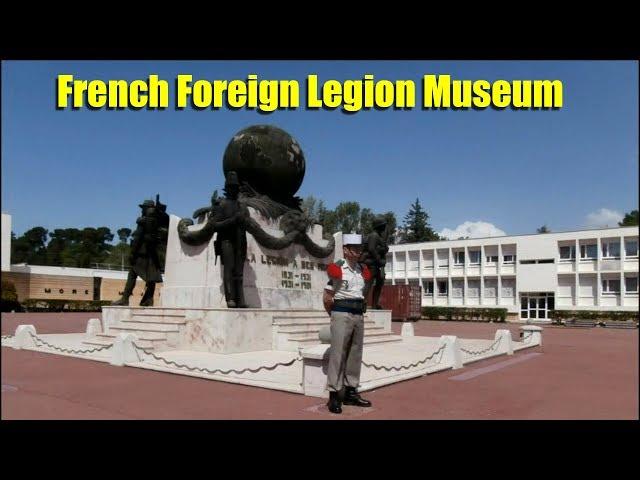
603	218
472	230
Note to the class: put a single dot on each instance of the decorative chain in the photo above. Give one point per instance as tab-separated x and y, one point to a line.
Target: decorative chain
66	350
7	337
480	352
411	365
217	370
527	338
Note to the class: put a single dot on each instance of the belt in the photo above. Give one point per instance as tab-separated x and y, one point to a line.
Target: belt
355	306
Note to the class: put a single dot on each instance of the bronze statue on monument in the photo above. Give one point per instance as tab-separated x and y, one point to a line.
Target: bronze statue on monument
150	235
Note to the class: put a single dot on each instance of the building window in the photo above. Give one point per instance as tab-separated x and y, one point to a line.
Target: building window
490	288
611	286
631	284
508	287
473	288
474	257
631	248
86	292
442	288
427	287
611	249
47	290
568	252
589	252
457	288
74	291
492	258
509	259
458	258
61	290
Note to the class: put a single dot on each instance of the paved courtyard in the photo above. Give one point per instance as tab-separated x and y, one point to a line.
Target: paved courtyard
576	374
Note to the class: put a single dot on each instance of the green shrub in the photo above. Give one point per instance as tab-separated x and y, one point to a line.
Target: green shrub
57	305
465	314
570	316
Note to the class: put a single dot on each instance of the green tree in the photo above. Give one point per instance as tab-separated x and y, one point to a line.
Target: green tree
60	247
31	247
124	234
630	219
416	225
543	229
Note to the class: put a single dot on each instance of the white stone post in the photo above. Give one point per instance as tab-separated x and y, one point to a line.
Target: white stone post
506	344
407	329
452	356
23	337
536	334
94	327
124	351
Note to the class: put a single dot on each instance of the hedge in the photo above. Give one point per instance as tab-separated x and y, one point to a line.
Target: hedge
558	316
44	305
465	314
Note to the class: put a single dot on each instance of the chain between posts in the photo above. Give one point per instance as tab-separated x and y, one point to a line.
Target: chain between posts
526	339
480	352
67	350
217	370
412	365
7	337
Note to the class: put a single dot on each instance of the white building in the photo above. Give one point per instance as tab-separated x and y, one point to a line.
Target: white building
5	242
526	274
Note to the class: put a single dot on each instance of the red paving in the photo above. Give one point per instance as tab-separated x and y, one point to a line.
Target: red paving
580	374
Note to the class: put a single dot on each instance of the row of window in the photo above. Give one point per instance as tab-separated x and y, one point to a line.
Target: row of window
473	288
610	249
474	259
611	286
74	291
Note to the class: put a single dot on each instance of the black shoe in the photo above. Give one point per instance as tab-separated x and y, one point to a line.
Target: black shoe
121	302
334	403
352	397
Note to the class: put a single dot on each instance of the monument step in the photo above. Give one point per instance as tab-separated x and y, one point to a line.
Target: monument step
292	326
163	312
158	319
143	335
297	319
145	327
152	336
97	341
369	340
293	329
297	337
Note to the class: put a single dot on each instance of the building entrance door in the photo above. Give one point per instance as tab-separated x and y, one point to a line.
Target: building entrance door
536	305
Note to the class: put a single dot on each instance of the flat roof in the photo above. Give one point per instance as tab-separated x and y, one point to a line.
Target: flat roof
517	235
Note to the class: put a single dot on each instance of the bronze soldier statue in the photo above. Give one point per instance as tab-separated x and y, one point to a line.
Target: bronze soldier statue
374	255
150	234
229	218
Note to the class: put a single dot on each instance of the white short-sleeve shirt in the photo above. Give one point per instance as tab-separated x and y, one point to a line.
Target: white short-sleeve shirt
352	284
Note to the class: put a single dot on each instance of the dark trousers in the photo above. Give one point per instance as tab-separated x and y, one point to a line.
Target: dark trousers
233	260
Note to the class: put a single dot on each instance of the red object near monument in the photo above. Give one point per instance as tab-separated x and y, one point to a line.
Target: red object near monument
404	301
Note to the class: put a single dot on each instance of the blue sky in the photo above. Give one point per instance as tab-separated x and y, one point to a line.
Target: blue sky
515	170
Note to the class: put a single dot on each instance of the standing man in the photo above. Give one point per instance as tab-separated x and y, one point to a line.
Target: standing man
374	256
344	300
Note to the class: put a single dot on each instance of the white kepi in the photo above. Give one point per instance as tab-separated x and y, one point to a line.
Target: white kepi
351	239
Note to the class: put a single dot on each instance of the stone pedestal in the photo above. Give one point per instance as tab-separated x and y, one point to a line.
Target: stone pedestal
287	278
